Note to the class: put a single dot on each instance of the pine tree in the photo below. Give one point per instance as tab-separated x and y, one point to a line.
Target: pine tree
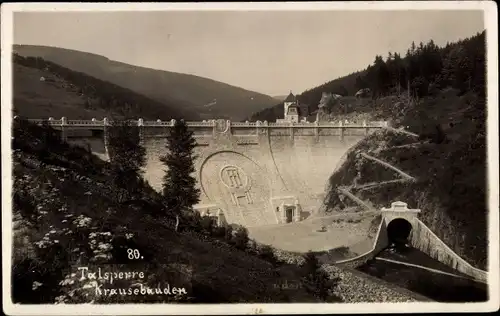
127	157
316	281
361	83
457	68
379	77
342	91
179	186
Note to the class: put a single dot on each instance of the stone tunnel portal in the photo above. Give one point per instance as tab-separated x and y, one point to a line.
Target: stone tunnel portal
398	231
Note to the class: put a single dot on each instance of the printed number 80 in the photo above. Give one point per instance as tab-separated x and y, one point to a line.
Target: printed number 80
133	254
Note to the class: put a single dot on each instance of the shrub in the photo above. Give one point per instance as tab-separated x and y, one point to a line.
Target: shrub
316	281
266	252
253	247
219	231
240	238
207	224
228	236
190	220
33	285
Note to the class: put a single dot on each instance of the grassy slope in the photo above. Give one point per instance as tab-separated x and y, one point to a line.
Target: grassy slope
164	86
38	99
63	195
279	97
451	188
58	187
93	93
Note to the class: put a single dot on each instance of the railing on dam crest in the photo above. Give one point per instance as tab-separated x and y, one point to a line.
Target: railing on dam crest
211	123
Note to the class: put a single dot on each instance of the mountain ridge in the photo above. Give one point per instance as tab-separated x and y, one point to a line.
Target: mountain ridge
45	89
193	91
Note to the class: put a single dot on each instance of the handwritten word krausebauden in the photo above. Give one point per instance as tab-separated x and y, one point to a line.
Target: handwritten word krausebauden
134	289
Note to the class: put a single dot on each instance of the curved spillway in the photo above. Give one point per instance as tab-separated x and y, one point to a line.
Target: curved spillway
305	164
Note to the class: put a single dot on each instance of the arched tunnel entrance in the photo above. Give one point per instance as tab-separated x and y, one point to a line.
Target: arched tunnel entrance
398	231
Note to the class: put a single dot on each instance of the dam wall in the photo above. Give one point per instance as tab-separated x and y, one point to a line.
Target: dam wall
252	171
423	239
381	241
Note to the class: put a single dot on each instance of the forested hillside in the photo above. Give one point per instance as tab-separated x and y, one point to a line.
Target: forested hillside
448	159
207	98
425	69
43	88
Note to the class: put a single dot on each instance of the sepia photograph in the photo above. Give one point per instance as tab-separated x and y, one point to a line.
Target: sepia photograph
226	158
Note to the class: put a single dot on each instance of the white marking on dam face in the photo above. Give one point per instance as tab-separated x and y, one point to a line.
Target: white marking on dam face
233	177
241	189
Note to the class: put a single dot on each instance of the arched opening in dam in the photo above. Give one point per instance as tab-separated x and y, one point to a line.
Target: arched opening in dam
398	231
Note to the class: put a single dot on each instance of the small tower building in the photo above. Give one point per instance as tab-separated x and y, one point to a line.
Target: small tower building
291	109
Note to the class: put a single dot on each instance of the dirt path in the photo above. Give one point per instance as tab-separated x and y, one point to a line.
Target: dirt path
360	202
370	185
402	173
400	130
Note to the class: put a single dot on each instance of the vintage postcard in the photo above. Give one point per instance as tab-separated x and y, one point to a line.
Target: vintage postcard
249	158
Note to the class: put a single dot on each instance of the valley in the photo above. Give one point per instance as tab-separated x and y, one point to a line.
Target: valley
367	188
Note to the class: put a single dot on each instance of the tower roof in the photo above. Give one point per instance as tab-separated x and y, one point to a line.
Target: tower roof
290	97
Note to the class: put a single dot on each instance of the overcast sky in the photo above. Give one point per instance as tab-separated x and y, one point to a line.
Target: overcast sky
268	52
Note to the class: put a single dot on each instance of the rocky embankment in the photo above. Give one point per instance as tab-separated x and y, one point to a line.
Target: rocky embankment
358	287
370	289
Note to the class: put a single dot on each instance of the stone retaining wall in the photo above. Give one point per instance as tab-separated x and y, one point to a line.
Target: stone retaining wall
426	241
380	243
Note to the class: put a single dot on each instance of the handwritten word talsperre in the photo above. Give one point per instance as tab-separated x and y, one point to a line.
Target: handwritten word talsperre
134	289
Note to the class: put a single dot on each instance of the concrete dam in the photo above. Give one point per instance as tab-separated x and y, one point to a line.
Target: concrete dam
254	173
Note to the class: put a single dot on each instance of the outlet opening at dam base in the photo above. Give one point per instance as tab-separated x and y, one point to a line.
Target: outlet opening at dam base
398	231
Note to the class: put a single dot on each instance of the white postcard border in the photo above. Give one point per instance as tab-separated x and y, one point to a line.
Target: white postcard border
491	26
